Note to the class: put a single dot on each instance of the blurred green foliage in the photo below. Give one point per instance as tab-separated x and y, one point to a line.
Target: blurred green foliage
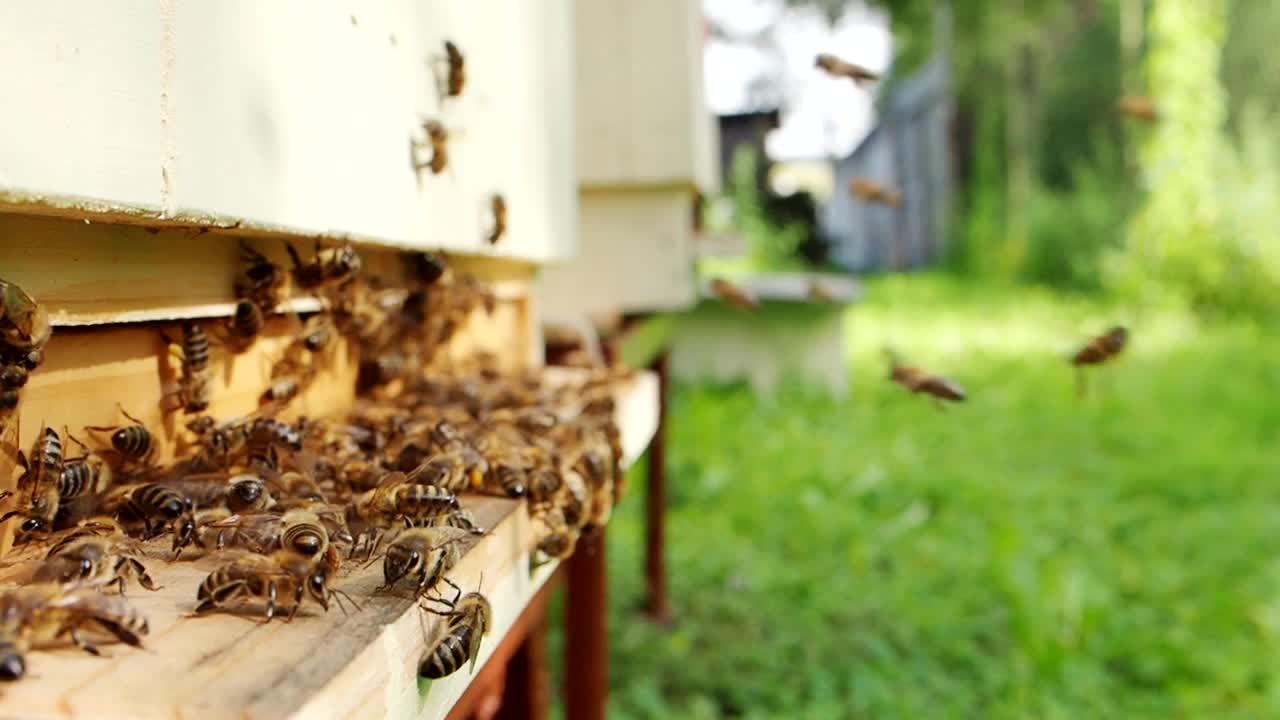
1025	554
1171	212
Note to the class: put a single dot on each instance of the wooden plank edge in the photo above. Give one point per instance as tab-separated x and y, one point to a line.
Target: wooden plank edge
93	210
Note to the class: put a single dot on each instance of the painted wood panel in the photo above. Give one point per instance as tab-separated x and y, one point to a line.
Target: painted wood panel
81	111
293	117
636	255
641	113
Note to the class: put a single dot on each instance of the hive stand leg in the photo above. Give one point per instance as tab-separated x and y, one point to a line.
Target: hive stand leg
586	656
656	499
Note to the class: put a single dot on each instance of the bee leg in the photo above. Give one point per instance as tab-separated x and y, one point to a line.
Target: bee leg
271	602
135	420
297	603
143	578
74	632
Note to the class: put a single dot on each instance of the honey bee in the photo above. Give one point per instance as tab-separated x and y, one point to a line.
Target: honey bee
1098	351
424	553
247	493
733	295
1138	107
497	206
872	191
86	475
282	578
132	442
396	498
24	323
558	540
330	266
301	531
918	381
193	391
243	327
455	470
467	622
836	67
317	333
820	293
438	141
157	508
39	486
261	281
426	268
265	434
41	614
457	78
218	441
85	558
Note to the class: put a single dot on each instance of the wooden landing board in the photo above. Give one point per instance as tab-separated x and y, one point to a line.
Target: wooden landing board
322	665
90	274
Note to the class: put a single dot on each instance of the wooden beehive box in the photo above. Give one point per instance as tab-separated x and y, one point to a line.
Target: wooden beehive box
141	142
645	143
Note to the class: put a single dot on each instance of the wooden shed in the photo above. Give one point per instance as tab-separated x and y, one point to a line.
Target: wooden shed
143	143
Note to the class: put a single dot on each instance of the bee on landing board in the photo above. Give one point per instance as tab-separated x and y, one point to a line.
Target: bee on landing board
1099	350
467	621
836	67
919	381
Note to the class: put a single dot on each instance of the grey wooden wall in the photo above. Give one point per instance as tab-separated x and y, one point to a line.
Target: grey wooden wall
909	150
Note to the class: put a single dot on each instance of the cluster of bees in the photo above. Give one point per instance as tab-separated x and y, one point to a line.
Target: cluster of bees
282	505
436	139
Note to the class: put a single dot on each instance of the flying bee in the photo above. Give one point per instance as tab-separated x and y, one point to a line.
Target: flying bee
42	614
132	442
423	553
261	281
733	295
498	207
467	622
871	191
24	323
243	327
457	65
284	577
918	381
438	141
193	391
1099	350
289	376
329	266
1138	107
86	558
836	67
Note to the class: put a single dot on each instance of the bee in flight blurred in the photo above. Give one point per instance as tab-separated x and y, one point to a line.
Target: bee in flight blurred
836	67
733	295
919	381
873	192
1138	108
1099	350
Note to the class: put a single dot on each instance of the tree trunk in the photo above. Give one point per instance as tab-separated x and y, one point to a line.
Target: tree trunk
1019	141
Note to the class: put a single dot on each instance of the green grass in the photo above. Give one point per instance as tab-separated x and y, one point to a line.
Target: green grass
1025	554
